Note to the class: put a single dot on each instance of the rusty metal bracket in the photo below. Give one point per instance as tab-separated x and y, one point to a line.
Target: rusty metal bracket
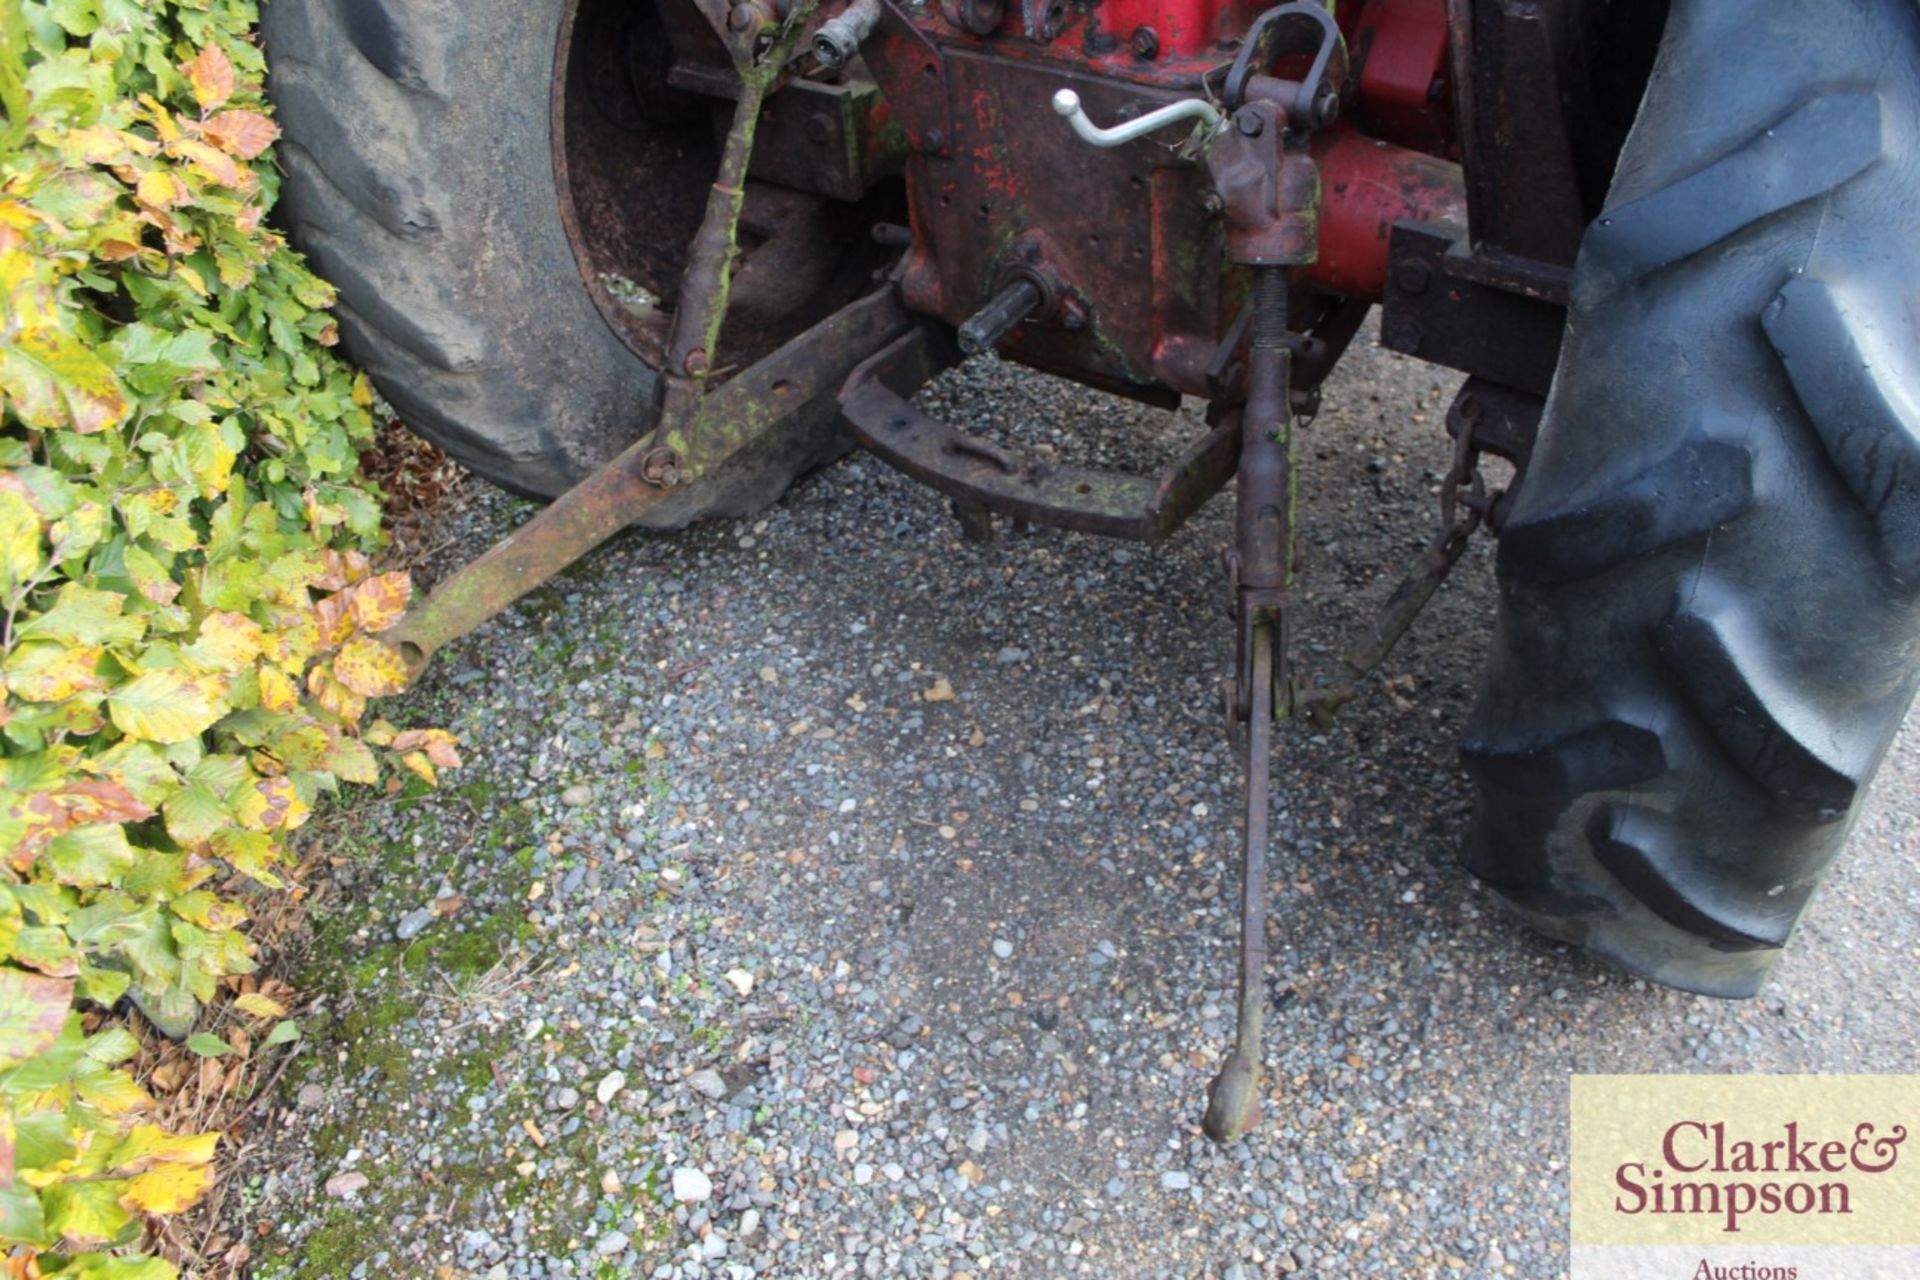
754	404
978	474
1485	418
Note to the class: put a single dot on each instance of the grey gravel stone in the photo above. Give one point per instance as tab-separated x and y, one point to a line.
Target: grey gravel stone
412	924
851	845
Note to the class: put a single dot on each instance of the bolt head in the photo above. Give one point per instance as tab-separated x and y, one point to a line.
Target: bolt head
1249	122
1412	276
696	361
1146	43
742	18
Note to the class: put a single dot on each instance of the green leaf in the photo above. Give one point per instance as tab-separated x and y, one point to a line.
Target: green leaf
86	1214
113	1046
103	987
165	706
100	1266
82	616
21	1221
194	814
250	852
47	949
41	1140
93	854
208	1045
282	1033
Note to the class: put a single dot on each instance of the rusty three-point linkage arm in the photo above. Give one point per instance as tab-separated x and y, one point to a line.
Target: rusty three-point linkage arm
693	432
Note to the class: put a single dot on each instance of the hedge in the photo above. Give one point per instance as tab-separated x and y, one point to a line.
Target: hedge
188	607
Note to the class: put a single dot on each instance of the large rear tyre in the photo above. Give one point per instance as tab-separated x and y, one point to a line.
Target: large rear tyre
1710	585
506	220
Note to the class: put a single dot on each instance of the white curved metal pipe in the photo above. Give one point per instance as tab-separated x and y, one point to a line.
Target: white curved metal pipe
1067	103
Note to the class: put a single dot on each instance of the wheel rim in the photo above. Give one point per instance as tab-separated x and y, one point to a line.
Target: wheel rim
632	169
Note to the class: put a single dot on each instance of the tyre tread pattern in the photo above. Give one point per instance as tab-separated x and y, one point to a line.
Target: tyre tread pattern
1857	381
1819	146
1719	534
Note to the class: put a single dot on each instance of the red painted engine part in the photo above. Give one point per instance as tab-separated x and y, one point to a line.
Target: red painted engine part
1179	28
1399	51
1365	187
1125	242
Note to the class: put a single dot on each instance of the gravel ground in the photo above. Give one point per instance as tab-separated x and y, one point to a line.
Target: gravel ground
827	897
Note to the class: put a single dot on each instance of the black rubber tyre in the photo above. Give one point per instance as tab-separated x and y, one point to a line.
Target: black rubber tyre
1710	587
420	178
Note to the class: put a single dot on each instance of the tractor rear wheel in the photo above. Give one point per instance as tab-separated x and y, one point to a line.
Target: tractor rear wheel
503	193
1710	583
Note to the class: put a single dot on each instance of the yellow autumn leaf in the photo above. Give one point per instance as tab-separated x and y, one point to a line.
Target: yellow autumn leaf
165	706
260	1006
379	601
167	1188
370	668
147	1145
335	697
47	671
227	642
112	1091
277	690
417	762
271	804
20	540
158	188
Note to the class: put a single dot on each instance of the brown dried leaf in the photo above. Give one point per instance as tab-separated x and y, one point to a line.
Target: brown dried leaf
211	75
242	133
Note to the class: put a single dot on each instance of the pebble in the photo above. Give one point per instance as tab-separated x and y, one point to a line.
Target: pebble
1176	1180
612	1244
345	1184
565	1098
610	1086
708	1083
1002	948
690	1185
412	924
577	795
